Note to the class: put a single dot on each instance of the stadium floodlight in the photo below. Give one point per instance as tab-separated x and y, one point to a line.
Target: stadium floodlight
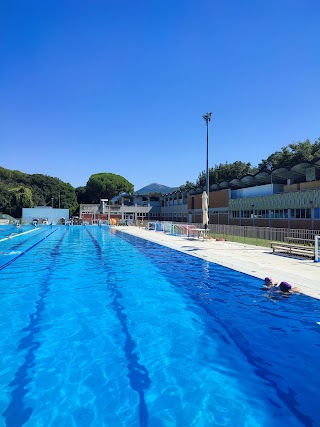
207	118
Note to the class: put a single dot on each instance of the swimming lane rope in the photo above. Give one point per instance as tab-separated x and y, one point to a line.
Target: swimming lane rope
27	250
17	234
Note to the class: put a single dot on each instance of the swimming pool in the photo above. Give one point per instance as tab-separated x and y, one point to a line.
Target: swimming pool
104	329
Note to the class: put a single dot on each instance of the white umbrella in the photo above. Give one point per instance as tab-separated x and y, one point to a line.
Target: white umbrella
205	217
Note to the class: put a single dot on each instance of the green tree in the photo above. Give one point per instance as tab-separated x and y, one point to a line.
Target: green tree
187	186
64	196
106	186
226	172
291	155
43	189
21	197
82	196
5	200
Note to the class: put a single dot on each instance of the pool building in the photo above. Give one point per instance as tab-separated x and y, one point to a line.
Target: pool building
285	198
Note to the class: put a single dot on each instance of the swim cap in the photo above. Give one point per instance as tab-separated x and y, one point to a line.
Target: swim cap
285	287
268	279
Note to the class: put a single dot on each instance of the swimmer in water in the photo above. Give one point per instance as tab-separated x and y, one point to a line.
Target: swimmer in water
286	288
268	283
10	253
274	288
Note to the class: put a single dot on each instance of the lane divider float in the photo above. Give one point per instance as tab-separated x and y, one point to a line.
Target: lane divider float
17	234
27	250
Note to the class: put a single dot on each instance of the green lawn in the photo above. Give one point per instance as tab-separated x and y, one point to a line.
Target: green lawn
246	240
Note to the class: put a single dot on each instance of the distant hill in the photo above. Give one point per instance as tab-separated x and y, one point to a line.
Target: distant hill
155	188
21	190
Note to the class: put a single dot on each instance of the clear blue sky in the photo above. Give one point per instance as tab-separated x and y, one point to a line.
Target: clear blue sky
121	86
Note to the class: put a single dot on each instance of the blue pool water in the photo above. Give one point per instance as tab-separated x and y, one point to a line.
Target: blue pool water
105	329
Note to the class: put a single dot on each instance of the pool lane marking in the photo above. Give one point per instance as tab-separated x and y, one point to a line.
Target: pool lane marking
138	374
16	414
17	245
17	234
27	250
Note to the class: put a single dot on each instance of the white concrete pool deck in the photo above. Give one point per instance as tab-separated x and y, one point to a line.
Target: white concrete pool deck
253	260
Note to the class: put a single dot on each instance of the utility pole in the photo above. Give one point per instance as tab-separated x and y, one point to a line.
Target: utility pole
207	119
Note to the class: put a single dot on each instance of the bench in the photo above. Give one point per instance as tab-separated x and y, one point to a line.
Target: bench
298	239
292	249
201	233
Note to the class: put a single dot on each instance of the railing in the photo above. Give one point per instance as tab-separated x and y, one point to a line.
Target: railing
246	232
265	233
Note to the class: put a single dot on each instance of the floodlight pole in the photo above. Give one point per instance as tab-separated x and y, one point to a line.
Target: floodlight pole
207	118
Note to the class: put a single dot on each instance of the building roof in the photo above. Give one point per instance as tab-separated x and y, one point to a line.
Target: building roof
298	173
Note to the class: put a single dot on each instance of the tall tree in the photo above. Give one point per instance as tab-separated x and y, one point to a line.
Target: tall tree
43	189
291	155
21	198
5	200
106	186
187	186
226	172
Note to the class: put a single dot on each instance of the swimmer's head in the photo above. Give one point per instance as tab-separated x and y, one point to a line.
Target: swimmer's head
268	281
285	287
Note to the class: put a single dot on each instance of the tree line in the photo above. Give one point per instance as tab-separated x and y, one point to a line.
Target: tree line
18	189
287	157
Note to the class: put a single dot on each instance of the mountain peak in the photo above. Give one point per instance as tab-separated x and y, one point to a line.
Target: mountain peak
155	188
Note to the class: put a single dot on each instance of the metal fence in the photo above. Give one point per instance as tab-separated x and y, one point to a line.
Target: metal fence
264	233
250	233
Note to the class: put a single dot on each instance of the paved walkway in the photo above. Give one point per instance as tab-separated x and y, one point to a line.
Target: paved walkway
254	260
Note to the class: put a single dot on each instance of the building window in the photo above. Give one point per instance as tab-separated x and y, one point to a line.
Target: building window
278	213
262	214
247	214
300	213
